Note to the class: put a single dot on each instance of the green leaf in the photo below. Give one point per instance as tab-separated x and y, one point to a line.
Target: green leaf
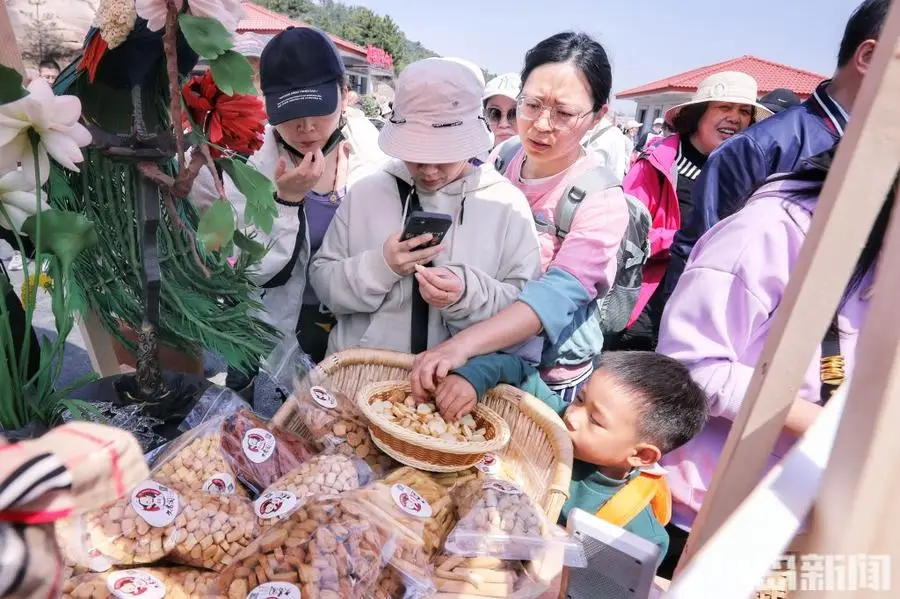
208	37
64	234
11	85
254	250
260	209
232	74
216	227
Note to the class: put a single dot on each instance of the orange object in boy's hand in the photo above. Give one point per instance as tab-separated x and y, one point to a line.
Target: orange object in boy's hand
455	397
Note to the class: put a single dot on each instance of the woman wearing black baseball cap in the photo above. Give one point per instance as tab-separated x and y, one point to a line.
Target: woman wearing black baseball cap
312	151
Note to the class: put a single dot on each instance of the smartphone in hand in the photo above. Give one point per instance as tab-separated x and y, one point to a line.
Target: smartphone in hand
420	223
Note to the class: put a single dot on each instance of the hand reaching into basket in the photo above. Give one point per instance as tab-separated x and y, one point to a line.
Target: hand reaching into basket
432	367
455	397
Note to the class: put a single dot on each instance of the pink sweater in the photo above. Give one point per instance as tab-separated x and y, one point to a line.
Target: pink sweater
719	317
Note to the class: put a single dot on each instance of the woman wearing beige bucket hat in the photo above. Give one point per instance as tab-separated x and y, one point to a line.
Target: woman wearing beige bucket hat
664	174
391	292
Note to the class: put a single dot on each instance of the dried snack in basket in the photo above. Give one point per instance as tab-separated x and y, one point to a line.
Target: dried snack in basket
455	575
326	474
389	586
211	529
329	549
490	466
78	554
425	419
260	452
420	524
146	583
197	461
335	423
497	519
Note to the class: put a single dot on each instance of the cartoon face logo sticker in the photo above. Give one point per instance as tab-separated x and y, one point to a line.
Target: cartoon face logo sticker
274	504
98	562
410	502
134	583
258	445
220	483
489	464
275	590
155	503
502	487
322	397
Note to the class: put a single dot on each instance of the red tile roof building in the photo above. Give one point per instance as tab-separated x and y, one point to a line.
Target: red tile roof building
654	98
259	19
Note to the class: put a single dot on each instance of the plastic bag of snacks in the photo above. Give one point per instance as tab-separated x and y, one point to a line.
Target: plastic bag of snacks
334	421
189	527
327	474
197	461
146	583
328	549
456	576
420	511
260	452
498	519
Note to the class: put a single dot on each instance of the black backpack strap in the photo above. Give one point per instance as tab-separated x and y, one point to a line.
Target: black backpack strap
831	366
418	338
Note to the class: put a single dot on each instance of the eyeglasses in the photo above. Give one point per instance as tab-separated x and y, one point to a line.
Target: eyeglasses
561	118
495	115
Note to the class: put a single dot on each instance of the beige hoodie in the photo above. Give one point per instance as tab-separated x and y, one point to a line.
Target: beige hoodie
492	247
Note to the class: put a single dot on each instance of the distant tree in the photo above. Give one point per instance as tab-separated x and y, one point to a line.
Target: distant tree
41	39
296	9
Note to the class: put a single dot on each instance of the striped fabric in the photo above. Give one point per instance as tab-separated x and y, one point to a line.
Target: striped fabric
685	167
73	468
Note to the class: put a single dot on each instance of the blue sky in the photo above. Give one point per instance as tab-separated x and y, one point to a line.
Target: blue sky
646	39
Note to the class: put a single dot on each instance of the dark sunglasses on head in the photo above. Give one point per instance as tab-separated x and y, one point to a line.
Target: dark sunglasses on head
495	115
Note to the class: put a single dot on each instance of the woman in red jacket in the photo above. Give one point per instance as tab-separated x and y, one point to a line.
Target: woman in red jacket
663	177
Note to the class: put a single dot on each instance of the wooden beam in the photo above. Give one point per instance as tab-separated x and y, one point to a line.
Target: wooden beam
853	194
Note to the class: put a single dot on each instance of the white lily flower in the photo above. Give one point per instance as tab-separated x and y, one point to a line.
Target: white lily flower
227	12
18	199
53	118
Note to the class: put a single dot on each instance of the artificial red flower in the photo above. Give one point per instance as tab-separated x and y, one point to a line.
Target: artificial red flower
235	122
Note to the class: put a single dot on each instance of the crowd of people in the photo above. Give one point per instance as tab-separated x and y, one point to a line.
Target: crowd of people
529	188
527	194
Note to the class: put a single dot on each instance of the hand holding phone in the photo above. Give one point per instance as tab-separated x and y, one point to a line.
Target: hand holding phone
420	223
403	256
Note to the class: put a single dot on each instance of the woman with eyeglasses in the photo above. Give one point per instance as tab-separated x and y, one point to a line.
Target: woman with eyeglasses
566	84
500	97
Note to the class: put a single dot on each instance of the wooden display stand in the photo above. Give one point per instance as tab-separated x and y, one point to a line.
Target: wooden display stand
854	511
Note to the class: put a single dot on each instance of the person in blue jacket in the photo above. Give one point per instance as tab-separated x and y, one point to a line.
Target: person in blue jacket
778	144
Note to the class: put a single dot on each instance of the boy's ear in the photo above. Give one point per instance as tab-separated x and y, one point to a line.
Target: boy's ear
645	454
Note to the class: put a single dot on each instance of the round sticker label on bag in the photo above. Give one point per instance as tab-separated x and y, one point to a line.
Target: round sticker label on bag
220	483
502	487
322	397
98	562
489	464
126	584
410	502
258	444
275	590
275	503
156	504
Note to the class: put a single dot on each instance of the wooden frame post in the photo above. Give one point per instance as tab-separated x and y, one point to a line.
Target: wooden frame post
864	167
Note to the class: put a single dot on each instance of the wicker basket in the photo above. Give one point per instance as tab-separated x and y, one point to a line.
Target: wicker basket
424	452
539	452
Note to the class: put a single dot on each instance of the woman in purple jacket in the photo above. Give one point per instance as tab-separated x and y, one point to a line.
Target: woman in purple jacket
720	314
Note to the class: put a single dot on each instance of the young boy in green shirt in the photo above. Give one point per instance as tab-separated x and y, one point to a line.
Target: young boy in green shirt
636	407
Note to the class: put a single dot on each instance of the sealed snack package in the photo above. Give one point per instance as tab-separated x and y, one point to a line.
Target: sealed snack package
497	519
197	461
146	583
327	474
212	529
188	527
334	421
420	512
260	452
327	549
139	529
456	576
